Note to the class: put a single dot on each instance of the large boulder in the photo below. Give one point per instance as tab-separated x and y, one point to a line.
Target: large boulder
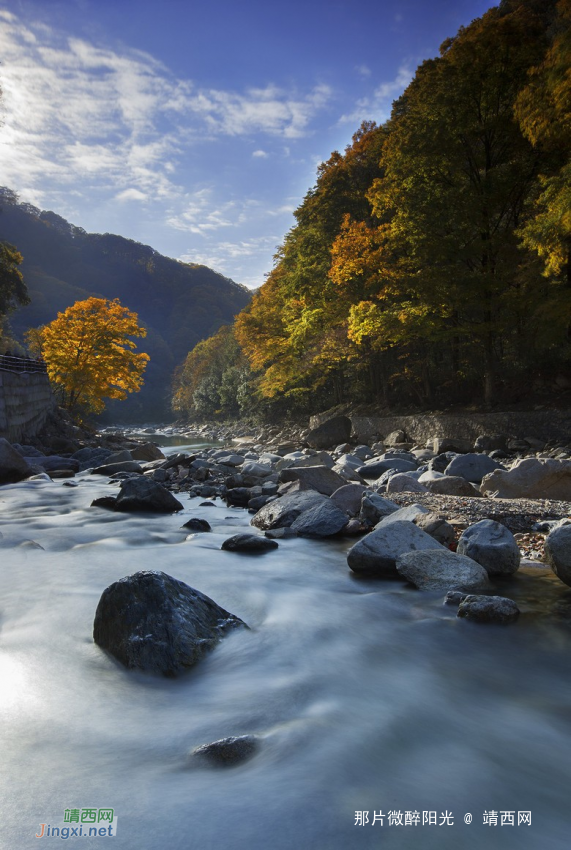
492	545
322	520
120	466
374	507
531	478
558	552
451	485
13	467
283	511
488	609
406	514
147	452
348	498
53	462
472	466
376	554
330	433
143	494
375	468
319	478
441	570
150	621
437	526
404	483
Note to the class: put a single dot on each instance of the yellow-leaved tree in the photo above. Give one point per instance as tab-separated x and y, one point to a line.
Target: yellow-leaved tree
90	355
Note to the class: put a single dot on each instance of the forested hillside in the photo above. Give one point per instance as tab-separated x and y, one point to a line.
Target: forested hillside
431	262
179	303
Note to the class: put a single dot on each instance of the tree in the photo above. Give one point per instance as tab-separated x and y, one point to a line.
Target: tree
90	354
13	291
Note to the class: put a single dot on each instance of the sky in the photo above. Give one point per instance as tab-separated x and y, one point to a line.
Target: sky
197	127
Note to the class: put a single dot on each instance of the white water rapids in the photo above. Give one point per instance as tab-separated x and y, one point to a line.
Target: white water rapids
368	696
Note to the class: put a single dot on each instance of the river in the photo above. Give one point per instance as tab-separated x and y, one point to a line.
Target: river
368	696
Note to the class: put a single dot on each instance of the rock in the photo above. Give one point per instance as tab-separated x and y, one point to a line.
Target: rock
13	467
147	452
408	514
394	438
120	457
322	520
375	468
283	511
330	433
491	442
258	502
363	453
454	597
280	533
488	609
238	496
196	524
437	526
120	466
348	498
492	545
256	470
374	508
531	478
250	543
61	473
558	552
472	466
403	483
142	494
106	502
451	485
54	462
376	554
150	621
319	478
441	570
227	751
441	445
231	460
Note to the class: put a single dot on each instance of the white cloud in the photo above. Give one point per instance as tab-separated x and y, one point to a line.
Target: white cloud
260	154
239	257
131	195
90	117
363	70
377	107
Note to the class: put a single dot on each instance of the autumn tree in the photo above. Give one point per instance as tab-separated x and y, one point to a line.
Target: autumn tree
13	291
89	352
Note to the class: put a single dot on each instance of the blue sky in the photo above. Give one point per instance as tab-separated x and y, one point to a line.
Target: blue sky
194	127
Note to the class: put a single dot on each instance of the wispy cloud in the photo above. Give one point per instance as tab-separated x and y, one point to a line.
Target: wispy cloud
84	115
377	106
246	255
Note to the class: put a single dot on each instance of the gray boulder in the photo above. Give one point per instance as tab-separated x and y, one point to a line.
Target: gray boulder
408	514
472	466
196	524
488	609
250	543
440	445
374	469
451	485
13	467
348	498
120	466
492	545
53	462
441	570
404	483
152	622
376	554
374	508
322	520
143	494
558	552
147	452
283	511
330	433
437	526
531	478
319	478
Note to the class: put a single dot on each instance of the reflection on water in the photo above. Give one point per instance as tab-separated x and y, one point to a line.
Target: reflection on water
178	441
367	696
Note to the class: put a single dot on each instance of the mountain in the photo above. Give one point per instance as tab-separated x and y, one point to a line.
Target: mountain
179	303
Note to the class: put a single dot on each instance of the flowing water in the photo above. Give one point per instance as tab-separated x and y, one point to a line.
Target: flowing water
368	696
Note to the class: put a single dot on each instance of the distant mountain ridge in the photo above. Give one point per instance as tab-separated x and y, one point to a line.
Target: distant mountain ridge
179	303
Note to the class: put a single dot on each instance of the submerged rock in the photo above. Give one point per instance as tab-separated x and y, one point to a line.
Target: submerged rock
441	570
152	622
196	524
488	609
143	494
227	751
250	543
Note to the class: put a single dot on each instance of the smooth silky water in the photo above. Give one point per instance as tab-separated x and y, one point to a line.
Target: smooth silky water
367	695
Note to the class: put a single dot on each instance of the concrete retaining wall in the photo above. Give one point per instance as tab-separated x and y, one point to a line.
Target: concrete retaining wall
26	399
540	424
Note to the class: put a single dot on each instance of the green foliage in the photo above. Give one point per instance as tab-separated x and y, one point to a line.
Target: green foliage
13	290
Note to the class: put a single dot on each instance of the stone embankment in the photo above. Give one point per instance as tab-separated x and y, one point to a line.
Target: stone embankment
26	401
